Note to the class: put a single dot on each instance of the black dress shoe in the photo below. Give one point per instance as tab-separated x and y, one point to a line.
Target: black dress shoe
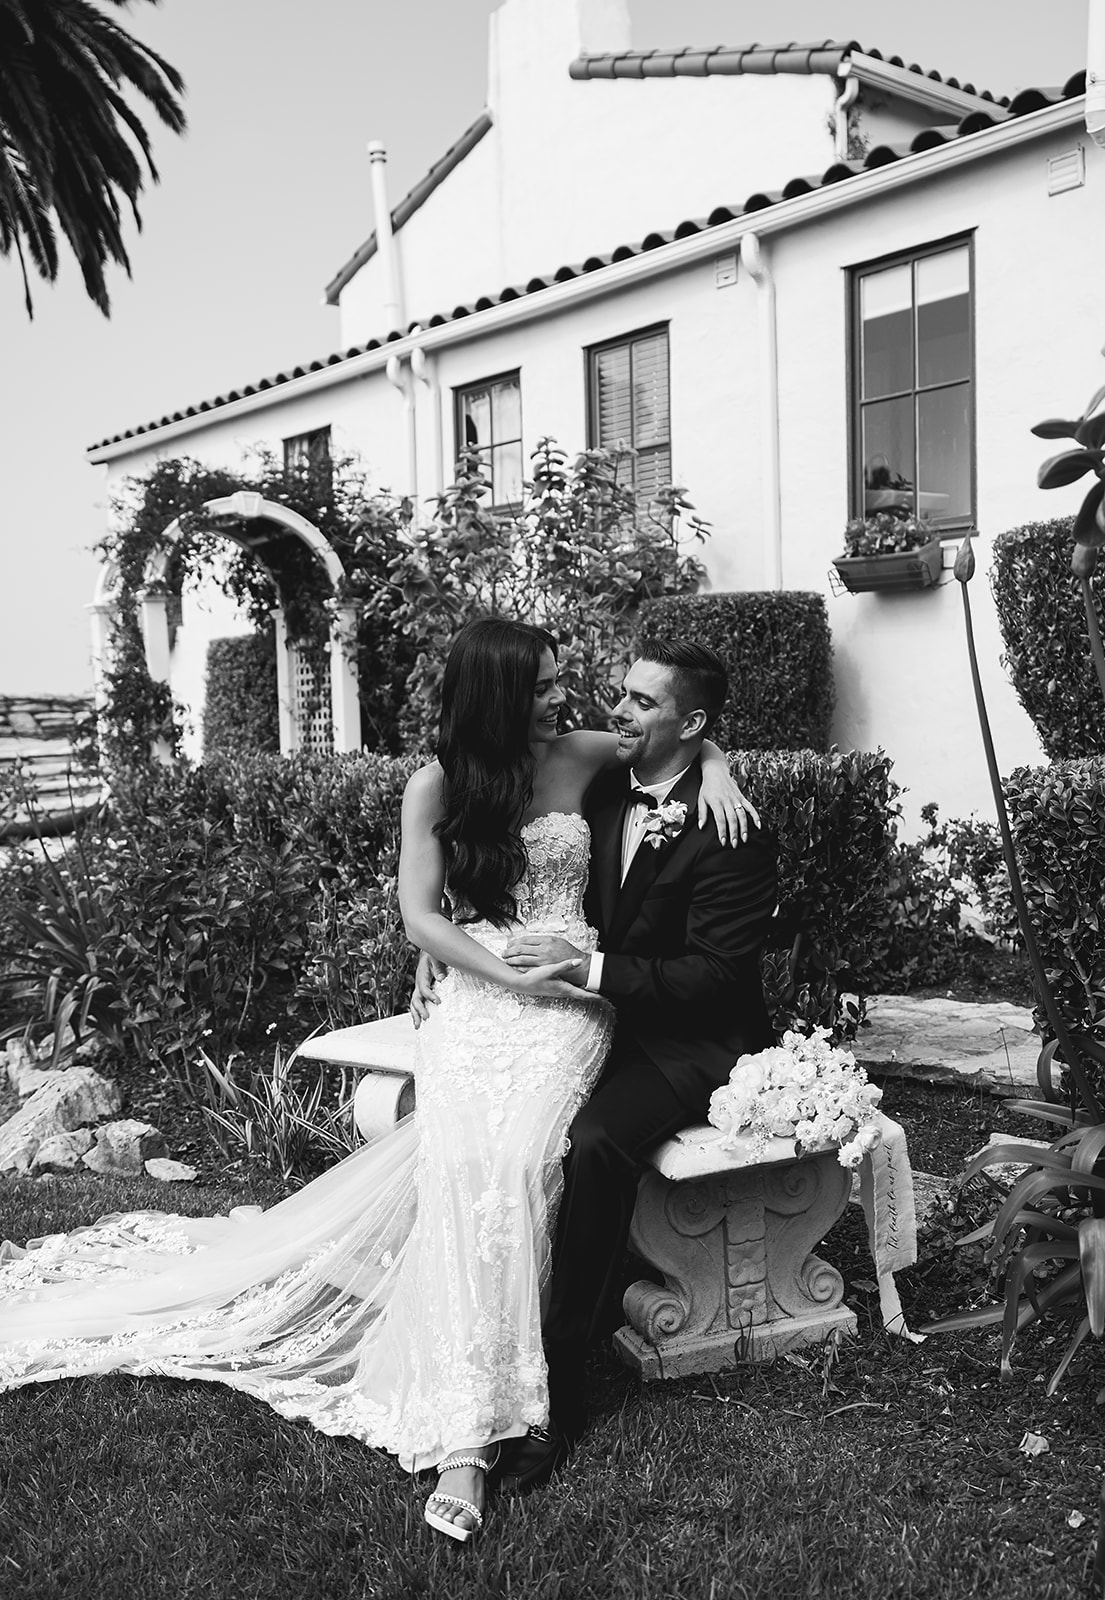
533	1460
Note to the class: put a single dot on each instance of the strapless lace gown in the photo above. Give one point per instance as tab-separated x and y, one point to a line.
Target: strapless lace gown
397	1298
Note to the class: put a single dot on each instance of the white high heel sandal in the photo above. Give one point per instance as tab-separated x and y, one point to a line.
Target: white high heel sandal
443	1524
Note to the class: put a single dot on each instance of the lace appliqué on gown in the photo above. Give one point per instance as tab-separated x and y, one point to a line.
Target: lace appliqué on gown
397	1298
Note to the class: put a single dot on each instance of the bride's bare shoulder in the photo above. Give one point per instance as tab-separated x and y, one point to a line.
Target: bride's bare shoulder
425	788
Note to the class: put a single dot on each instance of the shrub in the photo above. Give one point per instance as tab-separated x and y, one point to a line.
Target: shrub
1057	815
834	818
579	556
1043	624
778	650
240	711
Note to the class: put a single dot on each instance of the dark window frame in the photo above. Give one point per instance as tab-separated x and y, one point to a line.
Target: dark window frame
590	369
316	444
948	527
460	390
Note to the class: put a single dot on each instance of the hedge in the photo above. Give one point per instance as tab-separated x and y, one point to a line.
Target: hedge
1057	815
778	650
1043	625
240	713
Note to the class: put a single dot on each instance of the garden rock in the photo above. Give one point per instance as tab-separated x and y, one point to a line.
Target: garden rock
122	1148
991	1045
1009	1171
70	1100
167	1171
63	1152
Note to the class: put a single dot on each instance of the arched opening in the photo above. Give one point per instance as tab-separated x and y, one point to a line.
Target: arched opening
316	688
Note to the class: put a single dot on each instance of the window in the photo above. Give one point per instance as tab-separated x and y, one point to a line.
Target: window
913	387
309	453
629	405
489	421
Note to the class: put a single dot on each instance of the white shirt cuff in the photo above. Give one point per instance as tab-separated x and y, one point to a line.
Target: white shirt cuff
594	972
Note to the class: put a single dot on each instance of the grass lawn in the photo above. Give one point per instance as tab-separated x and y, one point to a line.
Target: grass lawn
879	1469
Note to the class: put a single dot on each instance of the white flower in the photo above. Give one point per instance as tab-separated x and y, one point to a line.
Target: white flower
804	1089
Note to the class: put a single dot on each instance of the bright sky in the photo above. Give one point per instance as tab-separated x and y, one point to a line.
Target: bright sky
268	194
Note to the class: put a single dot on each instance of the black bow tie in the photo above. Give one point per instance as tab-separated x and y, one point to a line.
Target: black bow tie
641	797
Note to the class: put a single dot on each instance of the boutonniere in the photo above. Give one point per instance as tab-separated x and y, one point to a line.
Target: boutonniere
665	823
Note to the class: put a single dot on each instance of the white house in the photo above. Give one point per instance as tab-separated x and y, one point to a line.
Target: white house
802	282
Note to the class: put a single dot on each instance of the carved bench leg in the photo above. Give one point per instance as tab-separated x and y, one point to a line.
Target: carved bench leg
740	1280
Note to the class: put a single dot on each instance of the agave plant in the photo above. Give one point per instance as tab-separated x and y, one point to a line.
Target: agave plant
275	1120
1053	1218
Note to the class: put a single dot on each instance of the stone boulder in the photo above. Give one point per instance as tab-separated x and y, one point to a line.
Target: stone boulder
63	1152
123	1148
166	1171
71	1099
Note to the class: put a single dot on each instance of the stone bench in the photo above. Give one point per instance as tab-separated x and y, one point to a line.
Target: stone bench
732	1229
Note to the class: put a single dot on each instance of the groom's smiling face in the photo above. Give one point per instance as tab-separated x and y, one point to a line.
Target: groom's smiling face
653	734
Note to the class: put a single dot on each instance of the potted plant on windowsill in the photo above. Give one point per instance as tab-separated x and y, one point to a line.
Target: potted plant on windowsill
886	550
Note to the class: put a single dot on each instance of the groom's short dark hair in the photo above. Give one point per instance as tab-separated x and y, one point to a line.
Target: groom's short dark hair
701	681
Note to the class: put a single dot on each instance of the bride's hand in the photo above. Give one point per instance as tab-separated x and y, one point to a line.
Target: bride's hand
551	982
720	797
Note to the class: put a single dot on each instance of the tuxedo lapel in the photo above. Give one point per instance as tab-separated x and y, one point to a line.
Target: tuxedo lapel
650	859
606	849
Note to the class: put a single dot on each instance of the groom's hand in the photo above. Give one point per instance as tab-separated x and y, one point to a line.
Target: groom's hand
540	949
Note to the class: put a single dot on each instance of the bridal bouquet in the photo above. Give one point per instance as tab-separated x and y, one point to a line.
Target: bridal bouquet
804	1089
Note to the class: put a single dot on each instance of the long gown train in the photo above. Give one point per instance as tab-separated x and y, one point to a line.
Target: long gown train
397	1298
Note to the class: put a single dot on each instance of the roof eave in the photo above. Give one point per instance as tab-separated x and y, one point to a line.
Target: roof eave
642	264
910	84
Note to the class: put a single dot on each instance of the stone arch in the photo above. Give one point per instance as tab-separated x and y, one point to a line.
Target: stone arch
248	509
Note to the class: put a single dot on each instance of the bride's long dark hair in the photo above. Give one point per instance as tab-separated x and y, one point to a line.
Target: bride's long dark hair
483	747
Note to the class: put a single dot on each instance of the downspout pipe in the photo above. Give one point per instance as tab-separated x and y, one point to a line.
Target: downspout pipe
385	238
403	382
425	371
844	99
1095	72
755	264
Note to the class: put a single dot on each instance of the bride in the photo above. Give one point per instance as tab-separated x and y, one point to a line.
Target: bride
397	1298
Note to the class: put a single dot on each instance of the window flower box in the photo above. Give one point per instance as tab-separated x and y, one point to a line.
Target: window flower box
896	570
888	550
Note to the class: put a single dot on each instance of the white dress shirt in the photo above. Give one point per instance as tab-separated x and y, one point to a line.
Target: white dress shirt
633	832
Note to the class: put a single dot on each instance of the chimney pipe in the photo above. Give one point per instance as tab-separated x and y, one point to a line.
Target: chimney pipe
385	239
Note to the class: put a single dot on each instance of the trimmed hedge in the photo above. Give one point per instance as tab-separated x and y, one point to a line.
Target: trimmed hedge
1047	649
834	818
240	713
778	649
218	903
1057	815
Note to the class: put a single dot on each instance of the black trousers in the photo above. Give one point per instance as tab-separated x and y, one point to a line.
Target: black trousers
633	1109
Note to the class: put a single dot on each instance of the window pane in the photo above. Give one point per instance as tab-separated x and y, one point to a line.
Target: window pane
886	310
650	391
943	318
888	455
506	474
613	397
506	409
944	424
477	419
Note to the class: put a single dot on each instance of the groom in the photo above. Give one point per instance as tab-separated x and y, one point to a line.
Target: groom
681	920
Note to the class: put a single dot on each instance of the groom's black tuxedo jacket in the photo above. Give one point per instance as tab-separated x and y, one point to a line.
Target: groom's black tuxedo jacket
681	939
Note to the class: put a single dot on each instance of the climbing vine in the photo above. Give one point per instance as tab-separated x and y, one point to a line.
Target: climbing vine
274	568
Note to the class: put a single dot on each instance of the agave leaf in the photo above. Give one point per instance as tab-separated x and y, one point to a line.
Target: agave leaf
1000	1155
1044	1068
1048	1112
1090	432
1091	1252
1057	428
1034	1184
1076	1339
1067	467
976	1317
1086	529
1088	1150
